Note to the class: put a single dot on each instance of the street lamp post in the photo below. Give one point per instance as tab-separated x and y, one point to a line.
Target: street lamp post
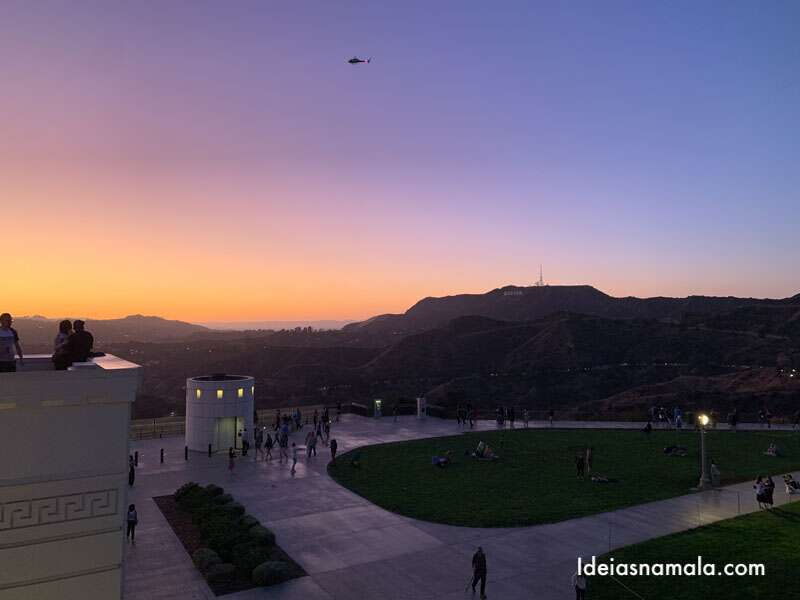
705	476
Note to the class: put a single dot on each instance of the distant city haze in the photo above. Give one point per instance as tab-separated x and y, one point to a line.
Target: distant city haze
222	161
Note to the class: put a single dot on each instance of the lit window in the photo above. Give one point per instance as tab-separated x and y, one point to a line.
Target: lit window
219	394
253	391
240	392
198	393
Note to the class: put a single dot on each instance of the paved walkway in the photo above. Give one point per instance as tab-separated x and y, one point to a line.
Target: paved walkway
354	550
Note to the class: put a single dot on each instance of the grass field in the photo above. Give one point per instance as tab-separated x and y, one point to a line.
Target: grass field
534	480
767	537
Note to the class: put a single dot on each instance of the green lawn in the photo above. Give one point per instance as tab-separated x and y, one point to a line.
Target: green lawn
767	537
534	480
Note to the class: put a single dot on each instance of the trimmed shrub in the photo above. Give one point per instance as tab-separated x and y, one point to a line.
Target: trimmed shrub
207	513
262	535
222	499
247	521
234	509
247	556
184	489
271	572
192	499
221	573
222	536
214	490
205	558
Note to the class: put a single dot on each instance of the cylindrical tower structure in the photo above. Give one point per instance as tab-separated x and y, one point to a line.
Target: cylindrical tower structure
219	411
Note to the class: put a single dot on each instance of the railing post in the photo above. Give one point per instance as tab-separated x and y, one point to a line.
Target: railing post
136	458
186	453
162	456
209	451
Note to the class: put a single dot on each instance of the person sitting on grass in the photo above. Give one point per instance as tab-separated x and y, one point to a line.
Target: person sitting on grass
603	479
484	452
675	451
442	461
773	450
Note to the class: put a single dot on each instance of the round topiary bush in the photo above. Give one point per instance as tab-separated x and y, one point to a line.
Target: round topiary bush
192	498
221	573
184	489
205	558
222	499
262	535
214	490
234	509
248	521
247	556
271	572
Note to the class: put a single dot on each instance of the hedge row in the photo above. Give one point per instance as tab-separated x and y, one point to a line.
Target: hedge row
236	543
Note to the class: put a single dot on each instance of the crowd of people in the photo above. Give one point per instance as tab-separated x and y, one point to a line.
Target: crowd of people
266	440
72	344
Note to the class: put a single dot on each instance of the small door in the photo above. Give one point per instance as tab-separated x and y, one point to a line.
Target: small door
226	433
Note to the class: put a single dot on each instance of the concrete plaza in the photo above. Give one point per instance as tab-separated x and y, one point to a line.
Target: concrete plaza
351	549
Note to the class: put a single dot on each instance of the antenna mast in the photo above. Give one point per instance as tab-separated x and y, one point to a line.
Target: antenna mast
540	283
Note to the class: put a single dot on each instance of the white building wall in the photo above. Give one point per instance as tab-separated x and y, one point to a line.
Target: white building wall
63	480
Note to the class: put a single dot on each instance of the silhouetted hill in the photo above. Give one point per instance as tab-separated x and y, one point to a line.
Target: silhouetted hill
513	303
37	333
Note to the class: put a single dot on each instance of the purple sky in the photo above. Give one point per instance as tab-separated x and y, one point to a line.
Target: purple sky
644	148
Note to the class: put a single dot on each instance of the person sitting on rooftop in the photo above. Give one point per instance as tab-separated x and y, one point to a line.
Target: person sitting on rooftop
61	356
80	343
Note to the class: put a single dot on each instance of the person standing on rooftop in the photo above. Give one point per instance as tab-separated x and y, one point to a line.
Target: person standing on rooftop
9	341
80	343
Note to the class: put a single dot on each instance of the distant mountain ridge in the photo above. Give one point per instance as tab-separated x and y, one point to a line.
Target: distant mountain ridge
512	303
37	332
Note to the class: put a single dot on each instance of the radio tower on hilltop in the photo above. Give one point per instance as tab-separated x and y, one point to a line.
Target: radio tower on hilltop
540	283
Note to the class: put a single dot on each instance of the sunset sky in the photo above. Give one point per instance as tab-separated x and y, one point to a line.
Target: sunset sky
222	161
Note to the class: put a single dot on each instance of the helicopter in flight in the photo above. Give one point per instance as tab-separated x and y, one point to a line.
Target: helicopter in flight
355	60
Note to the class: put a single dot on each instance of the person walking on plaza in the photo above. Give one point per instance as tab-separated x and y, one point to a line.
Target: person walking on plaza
550	414
268	443
9	341
326	429
579	582
470	415
334	447
131	471
316	418
479	571
259	443
525	417
294	457
231	458
132	520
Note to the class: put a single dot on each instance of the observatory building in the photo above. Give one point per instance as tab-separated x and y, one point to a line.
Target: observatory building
219	411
